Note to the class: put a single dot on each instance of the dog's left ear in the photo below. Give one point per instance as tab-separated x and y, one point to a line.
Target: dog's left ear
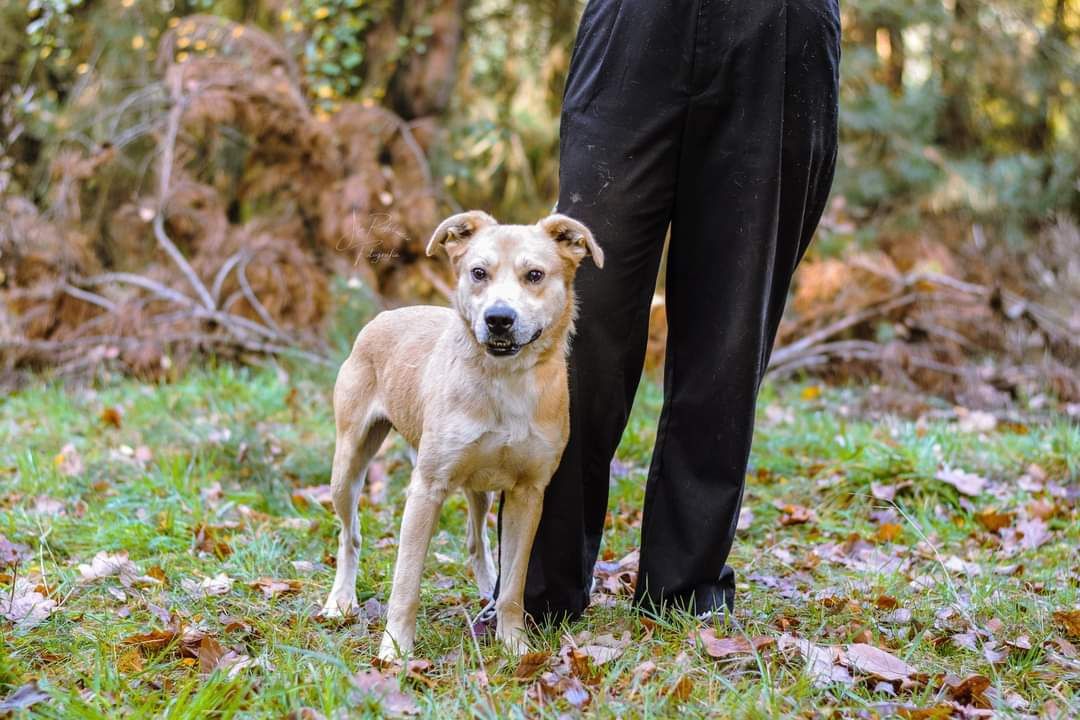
573	237
454	232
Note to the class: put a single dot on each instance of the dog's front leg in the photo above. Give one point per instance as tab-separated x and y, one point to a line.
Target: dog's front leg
422	505
521	515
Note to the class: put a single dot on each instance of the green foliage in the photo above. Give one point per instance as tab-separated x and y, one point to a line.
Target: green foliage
334	45
960	107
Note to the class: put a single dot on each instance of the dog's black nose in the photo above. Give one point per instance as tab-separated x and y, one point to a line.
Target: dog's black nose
500	319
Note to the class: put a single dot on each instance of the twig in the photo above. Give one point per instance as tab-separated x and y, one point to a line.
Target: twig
249	295
168	152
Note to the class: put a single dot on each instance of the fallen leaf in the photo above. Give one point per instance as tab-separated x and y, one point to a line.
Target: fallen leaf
878	663
68	461
45	505
106	565
992	654
373	684
220	584
792	514
938	712
720	648
820	661
130	661
682	688
900	616
24	605
967	640
317	495
603	648
994	520
212	494
887	602
530	664
644	671
888	532
1069	620
970	691
212	539
12	554
272	587
111	416
23	697
966	483
213	656
1034	533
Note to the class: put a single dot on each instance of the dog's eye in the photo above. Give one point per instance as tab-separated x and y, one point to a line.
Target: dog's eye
478	273
534	276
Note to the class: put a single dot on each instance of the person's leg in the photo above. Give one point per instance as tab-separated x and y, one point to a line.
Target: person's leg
622	119
756	165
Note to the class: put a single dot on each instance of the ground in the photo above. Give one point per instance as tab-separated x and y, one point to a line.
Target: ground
949	542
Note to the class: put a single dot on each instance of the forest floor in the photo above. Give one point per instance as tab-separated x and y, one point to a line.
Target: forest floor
162	558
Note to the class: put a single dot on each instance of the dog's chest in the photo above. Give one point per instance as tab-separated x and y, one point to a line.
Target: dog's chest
509	446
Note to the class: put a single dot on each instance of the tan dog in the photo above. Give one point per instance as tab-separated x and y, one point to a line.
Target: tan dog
480	391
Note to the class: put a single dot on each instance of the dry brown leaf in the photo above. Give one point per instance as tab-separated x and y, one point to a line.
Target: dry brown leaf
25	604
12	554
111	416
888	532
317	495
887	602
720	648
220	584
993	520
130	661
792	514
385	689
682	688
1041	509
272	587
1069	621
530	664
213	539
970	691
105	565
820	661
878	663
966	483
938	712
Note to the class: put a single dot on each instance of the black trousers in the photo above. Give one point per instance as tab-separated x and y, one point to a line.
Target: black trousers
718	117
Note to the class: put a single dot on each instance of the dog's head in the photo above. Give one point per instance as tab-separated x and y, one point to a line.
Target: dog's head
515	282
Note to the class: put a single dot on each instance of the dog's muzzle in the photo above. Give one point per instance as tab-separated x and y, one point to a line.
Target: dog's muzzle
506	347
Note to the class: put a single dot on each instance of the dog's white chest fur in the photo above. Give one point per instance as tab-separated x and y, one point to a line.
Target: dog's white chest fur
494	439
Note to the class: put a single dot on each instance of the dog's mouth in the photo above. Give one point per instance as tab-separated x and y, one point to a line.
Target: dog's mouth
505	347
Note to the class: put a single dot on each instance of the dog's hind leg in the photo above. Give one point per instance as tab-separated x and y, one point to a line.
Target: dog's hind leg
483	565
352	453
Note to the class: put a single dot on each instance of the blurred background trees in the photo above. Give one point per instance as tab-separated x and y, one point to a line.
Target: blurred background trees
948	105
959	144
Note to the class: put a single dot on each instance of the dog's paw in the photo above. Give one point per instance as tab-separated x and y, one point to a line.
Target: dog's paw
338	608
513	639
390	650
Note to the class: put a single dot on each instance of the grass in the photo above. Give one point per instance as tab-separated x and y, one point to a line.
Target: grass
261	433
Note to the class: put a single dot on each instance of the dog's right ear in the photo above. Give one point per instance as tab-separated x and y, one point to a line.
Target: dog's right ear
454	232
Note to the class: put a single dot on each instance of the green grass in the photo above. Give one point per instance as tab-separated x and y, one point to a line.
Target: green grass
262	433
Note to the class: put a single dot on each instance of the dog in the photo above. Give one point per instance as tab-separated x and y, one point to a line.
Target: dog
480	391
